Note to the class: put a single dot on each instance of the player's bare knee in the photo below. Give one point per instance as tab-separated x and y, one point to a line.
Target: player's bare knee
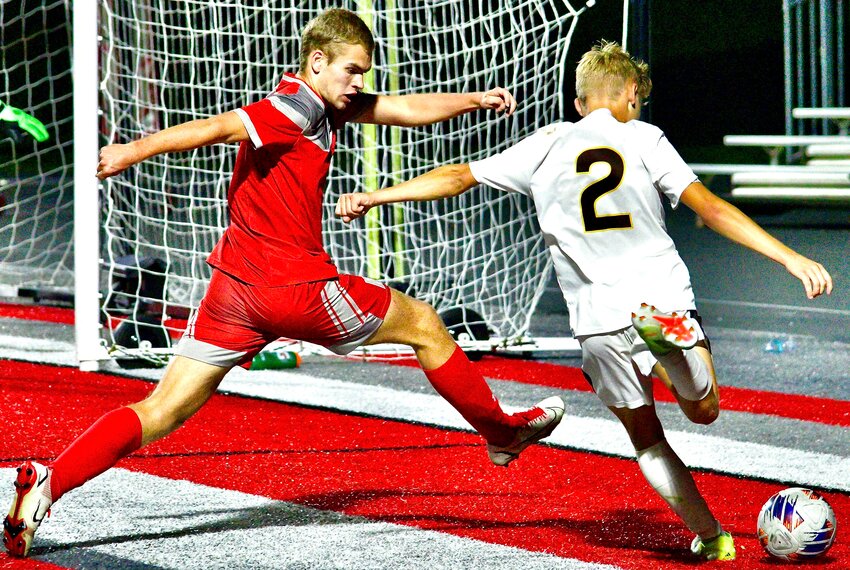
426	327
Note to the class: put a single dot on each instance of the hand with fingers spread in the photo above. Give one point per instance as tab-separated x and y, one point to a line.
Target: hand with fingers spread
500	100
815	278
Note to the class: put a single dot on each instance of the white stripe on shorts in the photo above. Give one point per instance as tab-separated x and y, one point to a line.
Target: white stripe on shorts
341	308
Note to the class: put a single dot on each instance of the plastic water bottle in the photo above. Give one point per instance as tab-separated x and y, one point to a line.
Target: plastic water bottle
779	345
275	359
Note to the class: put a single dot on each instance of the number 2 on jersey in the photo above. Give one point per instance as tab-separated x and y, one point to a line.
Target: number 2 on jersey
593	222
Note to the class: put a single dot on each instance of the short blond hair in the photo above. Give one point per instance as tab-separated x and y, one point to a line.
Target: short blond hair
330	30
606	68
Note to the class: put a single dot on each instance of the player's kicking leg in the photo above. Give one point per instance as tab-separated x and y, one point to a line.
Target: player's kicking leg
685	364
417	325
619	376
186	385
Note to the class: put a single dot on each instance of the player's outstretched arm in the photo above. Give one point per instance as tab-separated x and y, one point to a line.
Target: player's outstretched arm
442	182
224	128
730	222
427	108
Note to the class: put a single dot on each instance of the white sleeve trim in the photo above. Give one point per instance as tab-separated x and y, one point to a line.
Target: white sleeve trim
249	126
473	169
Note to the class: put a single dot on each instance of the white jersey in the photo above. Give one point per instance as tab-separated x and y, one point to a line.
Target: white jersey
596	185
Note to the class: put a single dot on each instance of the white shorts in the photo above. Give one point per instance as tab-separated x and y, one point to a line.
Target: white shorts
619	366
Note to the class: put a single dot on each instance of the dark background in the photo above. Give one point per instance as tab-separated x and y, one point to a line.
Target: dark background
716	66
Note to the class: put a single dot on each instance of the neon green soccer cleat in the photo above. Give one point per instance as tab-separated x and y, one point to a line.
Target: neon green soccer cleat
721	547
664	332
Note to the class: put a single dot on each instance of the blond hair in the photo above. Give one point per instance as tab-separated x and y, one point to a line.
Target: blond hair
330	30
606	69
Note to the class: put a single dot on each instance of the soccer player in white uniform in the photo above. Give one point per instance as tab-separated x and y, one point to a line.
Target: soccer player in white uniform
273	278
597	186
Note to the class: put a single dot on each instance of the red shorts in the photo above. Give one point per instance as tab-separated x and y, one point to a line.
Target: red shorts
236	320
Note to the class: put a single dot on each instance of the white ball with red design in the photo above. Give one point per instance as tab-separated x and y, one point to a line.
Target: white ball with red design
796	524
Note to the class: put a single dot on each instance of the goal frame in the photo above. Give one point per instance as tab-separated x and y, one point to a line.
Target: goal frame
91	348
87	328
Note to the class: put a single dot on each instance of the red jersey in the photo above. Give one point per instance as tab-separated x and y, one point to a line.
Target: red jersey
275	195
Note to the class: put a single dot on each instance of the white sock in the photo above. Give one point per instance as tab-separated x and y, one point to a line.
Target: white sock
673	482
688	373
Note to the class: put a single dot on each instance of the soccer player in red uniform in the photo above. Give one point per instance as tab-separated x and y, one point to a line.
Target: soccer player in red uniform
271	275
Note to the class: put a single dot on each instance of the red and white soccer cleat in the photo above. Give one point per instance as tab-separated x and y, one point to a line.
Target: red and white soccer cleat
540	421
664	332
31	504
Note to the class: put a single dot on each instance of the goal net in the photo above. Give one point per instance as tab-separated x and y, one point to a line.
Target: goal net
477	258
36	210
163	63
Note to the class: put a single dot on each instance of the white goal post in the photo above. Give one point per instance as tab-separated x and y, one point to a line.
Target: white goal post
141	239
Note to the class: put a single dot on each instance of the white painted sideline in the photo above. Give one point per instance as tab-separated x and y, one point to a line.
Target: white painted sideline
717	454
123	518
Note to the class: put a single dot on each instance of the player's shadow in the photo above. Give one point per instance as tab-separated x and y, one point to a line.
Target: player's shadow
626	529
274	514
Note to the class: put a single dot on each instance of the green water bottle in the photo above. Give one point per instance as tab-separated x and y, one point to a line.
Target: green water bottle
275	359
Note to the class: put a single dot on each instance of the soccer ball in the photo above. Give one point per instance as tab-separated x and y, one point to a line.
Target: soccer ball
796	524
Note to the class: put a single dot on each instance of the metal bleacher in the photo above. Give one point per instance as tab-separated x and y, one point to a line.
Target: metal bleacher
822	178
808	166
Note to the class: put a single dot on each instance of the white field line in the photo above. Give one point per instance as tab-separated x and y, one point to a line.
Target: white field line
590	434
128	519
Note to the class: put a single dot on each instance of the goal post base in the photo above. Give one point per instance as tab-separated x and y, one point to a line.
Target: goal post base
540	347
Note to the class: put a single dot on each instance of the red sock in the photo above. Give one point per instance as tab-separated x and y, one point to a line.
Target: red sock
114	436
460	383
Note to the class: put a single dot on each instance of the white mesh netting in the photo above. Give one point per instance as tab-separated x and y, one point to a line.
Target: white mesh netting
36	179
166	62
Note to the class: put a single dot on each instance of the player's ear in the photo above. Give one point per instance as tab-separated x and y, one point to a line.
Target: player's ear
318	61
633	94
578	106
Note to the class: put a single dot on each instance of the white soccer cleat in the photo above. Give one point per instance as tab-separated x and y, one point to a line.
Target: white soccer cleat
31	504
541	420
664	332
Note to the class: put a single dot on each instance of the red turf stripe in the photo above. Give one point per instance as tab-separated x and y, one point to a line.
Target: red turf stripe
66	317
37	313
796	406
567	503
9	563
